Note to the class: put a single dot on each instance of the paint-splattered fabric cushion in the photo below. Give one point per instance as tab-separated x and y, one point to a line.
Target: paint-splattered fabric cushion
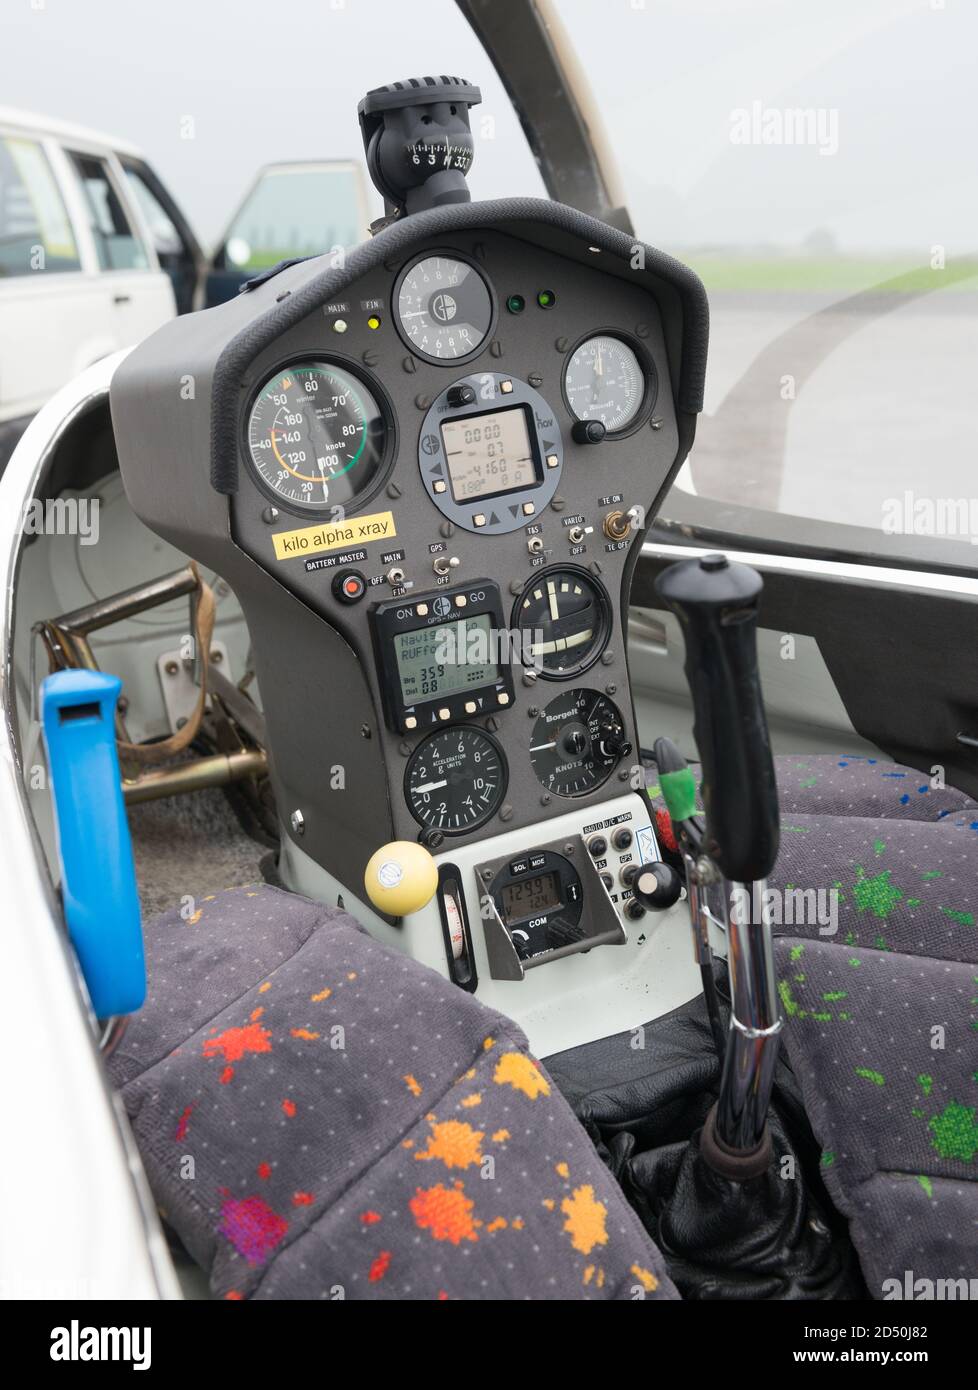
885	1047
892	861
321	1117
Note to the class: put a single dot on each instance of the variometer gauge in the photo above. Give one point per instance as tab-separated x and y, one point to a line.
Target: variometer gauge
564	619
444	308
577	742
317	436
605	380
455	780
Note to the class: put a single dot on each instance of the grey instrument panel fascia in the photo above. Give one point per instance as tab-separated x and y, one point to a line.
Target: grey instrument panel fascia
173	405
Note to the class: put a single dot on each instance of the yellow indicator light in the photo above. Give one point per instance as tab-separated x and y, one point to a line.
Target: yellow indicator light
373	321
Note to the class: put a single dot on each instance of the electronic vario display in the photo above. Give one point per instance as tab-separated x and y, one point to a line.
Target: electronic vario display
435	661
489	454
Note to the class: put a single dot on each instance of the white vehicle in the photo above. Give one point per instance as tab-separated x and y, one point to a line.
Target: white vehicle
95	253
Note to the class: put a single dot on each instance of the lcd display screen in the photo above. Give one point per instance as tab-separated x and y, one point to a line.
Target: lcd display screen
530	897
445	658
489	454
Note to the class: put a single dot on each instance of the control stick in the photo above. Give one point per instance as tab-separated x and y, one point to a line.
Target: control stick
717	604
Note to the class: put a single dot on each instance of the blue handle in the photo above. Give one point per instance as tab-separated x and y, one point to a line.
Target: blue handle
98	878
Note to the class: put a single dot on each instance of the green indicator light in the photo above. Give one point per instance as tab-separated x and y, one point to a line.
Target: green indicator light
546	299
516	304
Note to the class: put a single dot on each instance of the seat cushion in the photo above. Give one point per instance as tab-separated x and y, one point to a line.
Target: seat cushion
894	859
322	1117
885	1048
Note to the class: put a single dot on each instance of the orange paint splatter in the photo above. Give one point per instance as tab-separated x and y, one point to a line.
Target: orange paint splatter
380	1266
304	1034
454	1143
233	1043
257	1013
645	1277
369	1218
500	1136
562	1169
518	1224
233	1296
302	1199
183	1124
586	1217
351	975
442	1296
227	1075
266	986
407	1143
471	1101
413	1085
517	1070
323	994
444	1211
549	1203
289	1107
264	1170
588	1273
488	1043
499	1223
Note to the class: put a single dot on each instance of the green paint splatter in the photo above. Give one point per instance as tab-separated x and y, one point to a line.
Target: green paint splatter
844	1018
955	1132
828	1158
800	979
796	951
796	829
850	938
926	1184
966	919
877	1077
934	873
855	962
833	995
653	791
822	1017
879	846
917	1113
875	893
913	902
880	943
808	782
791	1007
926	1083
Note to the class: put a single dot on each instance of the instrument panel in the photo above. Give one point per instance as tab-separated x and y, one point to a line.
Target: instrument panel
451	465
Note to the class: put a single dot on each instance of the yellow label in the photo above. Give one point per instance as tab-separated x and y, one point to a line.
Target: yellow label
334	535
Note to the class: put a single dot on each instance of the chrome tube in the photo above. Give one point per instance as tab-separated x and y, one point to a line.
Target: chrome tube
755	1021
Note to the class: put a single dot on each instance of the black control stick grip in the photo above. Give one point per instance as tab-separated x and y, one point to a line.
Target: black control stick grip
716	602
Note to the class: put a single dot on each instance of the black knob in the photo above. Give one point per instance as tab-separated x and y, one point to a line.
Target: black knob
588	431
657	886
622	837
460	395
634	910
597	846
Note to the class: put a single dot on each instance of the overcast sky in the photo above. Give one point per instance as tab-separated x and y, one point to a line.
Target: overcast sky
280	79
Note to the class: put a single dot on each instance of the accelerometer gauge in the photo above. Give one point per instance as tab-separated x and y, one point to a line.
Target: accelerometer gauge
604	380
444	308
564	619
317	435
455	780
577	742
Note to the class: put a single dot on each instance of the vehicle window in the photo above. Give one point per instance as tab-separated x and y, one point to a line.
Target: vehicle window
35	233
296	211
166	239
117	245
807	159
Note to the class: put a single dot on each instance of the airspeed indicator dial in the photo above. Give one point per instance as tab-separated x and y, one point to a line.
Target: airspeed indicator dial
577	742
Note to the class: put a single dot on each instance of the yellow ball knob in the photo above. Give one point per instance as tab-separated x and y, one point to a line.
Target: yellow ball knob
400	878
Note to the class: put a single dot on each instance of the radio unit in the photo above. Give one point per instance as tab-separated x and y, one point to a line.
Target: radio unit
442	656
